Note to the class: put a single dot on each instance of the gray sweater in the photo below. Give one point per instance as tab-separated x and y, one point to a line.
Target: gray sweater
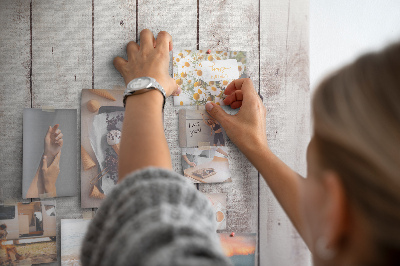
153	217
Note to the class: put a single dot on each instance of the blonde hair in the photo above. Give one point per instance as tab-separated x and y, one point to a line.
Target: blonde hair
357	134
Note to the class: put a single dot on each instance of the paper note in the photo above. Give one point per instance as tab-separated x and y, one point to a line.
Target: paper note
219	70
204	76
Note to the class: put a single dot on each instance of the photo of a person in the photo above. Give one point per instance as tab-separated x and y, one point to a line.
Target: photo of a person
208	164
217	129
44	182
10	250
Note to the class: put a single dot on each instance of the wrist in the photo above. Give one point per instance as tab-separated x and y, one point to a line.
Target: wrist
50	188
150	99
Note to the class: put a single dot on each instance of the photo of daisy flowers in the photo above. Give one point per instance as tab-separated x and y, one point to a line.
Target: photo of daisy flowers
204	74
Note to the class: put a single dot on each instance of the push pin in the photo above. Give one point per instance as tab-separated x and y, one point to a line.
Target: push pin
208	51
232	234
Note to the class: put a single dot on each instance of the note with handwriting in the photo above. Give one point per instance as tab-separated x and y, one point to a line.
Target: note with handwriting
204	76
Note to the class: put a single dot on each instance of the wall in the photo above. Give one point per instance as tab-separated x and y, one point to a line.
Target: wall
342	30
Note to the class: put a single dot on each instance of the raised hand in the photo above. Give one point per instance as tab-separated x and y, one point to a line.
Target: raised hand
150	59
247	129
53	143
50	174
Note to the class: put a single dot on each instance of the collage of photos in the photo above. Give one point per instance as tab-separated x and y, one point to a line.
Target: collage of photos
50	148
49	153
28	233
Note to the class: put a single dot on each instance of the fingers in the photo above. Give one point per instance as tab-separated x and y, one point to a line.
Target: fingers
60	142
59	136
48	132
245	85
131	49
54	129
177	92
235	99
217	113
119	63
44	163
164	41
146	40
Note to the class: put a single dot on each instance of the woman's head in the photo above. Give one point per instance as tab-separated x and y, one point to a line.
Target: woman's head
356	142
3	226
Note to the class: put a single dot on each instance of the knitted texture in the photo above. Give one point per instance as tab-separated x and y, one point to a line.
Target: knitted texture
153	217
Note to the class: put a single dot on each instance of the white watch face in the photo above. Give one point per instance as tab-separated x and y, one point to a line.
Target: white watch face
140	83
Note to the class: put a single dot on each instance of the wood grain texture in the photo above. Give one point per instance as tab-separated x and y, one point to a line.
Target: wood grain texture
233	25
62	56
14	92
179	18
114	26
63	35
285	88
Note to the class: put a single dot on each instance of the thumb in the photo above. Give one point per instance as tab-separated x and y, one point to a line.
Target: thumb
49	131
217	113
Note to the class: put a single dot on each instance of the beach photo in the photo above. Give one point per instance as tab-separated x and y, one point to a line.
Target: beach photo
240	248
72	233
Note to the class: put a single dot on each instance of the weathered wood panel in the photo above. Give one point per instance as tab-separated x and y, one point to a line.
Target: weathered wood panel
179	18
14	92
114	26
233	25
285	88
62	66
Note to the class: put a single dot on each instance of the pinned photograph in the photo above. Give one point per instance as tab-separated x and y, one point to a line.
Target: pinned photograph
197	128
218	201
102	114
28	233
49	153
204	74
72	234
207	164
240	248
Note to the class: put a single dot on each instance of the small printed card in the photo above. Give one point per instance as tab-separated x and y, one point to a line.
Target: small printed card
204	76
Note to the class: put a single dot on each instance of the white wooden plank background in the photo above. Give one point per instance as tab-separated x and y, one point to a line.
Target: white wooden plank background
71	45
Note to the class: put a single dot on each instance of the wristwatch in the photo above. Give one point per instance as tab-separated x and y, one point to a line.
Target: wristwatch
142	85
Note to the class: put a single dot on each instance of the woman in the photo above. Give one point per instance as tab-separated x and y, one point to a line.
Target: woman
217	129
346	210
12	254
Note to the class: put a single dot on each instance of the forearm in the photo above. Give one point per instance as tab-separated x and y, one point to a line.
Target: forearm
186	159
283	182
37	187
143	140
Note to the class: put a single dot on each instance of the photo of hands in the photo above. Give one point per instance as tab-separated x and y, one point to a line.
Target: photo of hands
49	159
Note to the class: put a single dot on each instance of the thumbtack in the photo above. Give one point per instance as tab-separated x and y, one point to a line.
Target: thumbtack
208	51
232	234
